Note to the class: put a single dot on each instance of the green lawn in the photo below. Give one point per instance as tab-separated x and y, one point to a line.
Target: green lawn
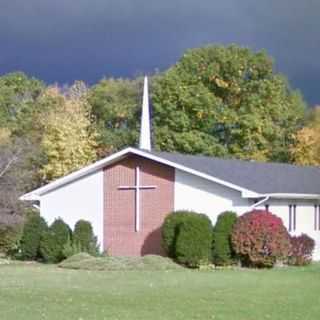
47	292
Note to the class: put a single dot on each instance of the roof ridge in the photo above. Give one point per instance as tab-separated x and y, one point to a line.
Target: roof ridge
259	162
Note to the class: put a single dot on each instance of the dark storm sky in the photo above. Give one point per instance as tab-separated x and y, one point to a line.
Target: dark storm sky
64	40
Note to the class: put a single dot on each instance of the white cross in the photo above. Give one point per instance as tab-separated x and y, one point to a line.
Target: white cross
137	187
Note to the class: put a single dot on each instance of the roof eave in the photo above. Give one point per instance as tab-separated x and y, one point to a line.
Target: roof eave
36	194
305	196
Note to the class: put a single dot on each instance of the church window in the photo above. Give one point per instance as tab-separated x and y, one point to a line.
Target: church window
292	217
317	217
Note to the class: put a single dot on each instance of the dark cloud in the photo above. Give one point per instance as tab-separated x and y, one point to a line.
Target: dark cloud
64	40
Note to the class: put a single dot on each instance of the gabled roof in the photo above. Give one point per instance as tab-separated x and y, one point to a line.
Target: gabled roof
261	177
252	179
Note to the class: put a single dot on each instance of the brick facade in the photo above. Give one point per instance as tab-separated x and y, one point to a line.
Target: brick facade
120	236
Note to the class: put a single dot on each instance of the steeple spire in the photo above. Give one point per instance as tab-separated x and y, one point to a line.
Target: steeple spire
145	134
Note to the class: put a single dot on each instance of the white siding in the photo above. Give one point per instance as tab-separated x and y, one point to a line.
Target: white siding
81	199
200	195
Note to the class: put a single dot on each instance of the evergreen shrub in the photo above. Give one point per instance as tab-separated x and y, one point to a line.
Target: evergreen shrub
84	238
10	233
53	241
222	251
170	230
188	237
34	228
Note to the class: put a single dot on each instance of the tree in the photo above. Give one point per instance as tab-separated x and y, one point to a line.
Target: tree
15	179
225	101
17	174
116	104
18	95
69	139
306	150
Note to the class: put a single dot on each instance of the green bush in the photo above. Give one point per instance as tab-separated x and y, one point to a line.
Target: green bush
84	238
53	241
222	252
170	230
194	241
33	229
10	232
70	249
9	238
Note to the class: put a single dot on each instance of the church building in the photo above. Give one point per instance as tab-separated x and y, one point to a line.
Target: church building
127	195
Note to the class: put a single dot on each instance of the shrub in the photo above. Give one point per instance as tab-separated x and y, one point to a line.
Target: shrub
34	228
170	230
10	233
70	249
260	239
194	240
301	250
54	240
222	252
84	238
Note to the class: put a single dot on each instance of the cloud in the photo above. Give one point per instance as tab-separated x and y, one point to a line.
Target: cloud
63	40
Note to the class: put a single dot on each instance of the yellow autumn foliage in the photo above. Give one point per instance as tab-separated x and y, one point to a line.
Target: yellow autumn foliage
307	148
4	136
69	139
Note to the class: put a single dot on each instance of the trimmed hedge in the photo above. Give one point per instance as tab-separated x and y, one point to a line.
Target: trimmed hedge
84	238
260	239
222	251
33	230
170	230
301	250
187	237
54	240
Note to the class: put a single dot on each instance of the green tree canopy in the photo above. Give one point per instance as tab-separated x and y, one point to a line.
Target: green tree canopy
116	105
18	94
225	101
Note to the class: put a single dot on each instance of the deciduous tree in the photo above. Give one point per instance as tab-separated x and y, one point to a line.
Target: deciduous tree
306	150
116	104
226	101
69	138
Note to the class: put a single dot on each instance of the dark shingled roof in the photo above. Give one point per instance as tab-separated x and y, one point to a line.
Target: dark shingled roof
259	177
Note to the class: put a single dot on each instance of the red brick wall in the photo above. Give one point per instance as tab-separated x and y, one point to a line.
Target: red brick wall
120	237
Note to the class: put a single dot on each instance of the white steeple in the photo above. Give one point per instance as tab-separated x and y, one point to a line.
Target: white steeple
145	134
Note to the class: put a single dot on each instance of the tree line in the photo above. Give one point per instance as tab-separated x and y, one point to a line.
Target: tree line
217	101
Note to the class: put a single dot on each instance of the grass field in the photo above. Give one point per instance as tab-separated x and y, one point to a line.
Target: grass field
47	292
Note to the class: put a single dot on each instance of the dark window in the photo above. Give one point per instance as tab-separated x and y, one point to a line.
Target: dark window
292	217
317	217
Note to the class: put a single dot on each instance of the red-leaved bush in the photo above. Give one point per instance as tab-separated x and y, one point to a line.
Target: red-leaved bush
260	239
301	250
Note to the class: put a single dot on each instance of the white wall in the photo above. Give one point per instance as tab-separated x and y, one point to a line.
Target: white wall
81	199
195	193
